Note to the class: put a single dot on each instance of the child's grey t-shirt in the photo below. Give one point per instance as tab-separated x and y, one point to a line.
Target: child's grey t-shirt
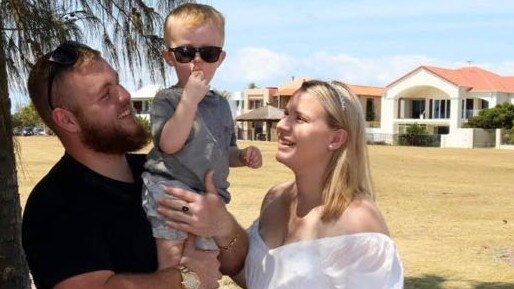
206	148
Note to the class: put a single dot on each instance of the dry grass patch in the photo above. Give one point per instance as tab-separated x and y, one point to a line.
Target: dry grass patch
450	211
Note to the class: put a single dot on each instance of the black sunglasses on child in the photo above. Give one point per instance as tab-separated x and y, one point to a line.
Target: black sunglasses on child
64	56
186	53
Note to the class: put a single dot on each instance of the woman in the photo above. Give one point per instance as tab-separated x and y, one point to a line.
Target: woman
323	229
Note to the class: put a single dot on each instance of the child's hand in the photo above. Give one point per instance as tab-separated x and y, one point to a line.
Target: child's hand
196	88
251	157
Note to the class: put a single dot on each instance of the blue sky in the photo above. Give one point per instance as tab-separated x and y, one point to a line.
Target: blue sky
367	42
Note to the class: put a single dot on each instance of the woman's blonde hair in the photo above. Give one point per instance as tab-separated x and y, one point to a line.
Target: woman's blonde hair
347	174
193	15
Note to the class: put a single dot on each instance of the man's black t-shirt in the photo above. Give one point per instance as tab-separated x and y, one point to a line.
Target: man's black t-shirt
78	221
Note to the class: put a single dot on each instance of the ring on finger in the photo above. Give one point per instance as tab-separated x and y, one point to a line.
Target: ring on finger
185	209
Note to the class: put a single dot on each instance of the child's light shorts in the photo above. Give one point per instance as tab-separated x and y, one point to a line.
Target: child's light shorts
153	191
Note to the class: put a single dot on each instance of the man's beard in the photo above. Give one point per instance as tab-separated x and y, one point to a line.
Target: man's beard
111	139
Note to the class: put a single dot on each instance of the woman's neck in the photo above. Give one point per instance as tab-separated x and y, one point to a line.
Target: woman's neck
308	192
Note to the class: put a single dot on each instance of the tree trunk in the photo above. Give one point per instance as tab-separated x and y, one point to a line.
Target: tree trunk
13	267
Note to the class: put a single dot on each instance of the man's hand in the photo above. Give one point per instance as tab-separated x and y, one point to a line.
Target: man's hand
204	263
206	215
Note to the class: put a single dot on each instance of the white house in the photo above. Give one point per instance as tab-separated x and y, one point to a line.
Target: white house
255	98
142	99
442	100
236	101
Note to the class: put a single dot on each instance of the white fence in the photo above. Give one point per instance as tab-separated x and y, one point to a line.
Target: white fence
501	140
459	138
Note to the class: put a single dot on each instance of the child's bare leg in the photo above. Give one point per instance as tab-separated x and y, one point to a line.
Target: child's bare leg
169	252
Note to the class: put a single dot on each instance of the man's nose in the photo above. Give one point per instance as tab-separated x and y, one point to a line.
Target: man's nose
123	94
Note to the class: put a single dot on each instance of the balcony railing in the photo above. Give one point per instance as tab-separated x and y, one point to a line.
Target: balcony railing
424	117
373	124
471	112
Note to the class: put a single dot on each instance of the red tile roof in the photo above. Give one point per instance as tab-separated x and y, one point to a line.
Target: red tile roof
290	87
473	78
287	91
366	90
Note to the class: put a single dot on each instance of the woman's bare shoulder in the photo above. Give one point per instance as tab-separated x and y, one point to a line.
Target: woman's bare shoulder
362	216
276	193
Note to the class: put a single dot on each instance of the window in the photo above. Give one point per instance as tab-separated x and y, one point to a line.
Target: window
138	106
283	101
485	104
255	103
440	108
442	130
467	108
370	110
418	108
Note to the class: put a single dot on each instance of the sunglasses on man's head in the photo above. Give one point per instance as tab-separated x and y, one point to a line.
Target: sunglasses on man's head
186	53
64	56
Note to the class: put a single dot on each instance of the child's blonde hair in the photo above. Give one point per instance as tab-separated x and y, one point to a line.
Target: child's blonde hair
193	15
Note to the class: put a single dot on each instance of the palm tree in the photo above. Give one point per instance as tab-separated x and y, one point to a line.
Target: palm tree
223	93
127	32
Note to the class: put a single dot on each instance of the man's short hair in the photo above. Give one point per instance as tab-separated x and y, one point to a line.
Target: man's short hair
38	81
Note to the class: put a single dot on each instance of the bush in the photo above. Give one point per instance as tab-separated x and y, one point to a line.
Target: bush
422	140
416	128
501	116
145	123
510	140
417	136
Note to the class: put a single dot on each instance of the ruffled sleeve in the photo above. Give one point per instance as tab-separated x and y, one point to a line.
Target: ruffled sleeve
362	261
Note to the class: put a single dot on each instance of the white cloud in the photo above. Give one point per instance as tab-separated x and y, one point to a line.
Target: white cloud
269	68
365	71
505	68
252	64
363	41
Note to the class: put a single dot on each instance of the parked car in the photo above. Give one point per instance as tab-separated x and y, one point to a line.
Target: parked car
38	131
27	131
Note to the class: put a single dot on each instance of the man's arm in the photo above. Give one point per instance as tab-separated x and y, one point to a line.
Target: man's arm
204	263
208	216
166	279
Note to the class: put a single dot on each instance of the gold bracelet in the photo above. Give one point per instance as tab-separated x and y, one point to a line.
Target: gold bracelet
231	243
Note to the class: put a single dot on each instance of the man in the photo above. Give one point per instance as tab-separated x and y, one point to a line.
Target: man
83	225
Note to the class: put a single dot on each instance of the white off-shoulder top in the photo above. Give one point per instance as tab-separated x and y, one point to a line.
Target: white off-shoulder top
355	261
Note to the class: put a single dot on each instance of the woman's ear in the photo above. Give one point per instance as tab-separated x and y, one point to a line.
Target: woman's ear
65	120
337	139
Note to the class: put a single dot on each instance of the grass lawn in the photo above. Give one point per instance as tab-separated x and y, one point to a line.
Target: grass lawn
450	211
